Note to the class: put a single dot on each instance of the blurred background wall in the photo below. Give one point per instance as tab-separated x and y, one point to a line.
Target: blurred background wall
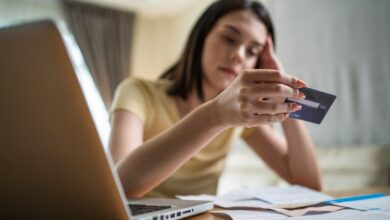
338	46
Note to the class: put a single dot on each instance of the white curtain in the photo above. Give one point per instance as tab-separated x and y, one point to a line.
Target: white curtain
341	47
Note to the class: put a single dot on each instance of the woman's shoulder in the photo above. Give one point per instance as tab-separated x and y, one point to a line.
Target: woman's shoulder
151	85
144	90
134	81
139	95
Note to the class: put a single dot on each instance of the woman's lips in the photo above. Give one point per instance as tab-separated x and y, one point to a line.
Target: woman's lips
227	70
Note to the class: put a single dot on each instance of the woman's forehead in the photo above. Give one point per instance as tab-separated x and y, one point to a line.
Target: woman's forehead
245	22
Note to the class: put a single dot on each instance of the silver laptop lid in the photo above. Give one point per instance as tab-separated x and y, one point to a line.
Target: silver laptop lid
52	163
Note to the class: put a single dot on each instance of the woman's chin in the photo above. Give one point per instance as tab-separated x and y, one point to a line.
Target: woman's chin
223	84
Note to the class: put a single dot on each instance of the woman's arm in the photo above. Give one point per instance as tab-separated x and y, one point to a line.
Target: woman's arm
293	157
144	165
302	158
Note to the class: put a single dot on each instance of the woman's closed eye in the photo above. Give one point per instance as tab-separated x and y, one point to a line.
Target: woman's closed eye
229	40
252	52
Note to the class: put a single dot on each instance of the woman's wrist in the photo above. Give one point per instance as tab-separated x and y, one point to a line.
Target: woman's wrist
212	116
291	123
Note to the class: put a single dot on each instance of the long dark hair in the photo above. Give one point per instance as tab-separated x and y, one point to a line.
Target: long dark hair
187	72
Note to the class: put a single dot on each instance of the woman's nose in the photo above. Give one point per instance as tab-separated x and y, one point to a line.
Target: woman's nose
238	54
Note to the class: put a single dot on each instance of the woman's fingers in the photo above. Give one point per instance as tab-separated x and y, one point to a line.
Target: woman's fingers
269	90
258	97
264	107
257	119
256	76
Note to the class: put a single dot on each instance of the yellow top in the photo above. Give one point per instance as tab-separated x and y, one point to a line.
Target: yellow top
150	102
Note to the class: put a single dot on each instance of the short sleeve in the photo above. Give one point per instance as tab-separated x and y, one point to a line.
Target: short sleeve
247	131
130	95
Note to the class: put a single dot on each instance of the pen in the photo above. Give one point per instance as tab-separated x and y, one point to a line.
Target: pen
355	198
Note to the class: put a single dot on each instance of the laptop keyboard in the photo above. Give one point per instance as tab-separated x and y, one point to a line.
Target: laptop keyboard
138	209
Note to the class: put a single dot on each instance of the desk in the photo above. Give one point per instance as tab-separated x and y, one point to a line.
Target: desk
343	193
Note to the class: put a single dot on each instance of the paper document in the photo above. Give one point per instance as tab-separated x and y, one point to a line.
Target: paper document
254	204
280	197
248	215
311	210
292	197
276	197
346	214
272	202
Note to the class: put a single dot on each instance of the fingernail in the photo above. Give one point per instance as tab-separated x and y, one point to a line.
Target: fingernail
301	84
302	95
297	107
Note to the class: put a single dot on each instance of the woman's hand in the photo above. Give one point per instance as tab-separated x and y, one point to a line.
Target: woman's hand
268	58
257	97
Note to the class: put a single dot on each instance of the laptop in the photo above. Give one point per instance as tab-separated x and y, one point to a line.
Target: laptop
52	163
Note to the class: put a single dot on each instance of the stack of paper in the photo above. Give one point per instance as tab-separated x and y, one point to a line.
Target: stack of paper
339	215
297	203
272	197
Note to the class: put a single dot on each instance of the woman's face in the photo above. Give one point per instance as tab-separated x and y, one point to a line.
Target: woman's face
233	44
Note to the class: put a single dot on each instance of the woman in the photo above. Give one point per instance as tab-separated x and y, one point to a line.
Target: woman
172	136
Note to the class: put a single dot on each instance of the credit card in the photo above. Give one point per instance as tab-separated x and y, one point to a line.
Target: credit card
314	106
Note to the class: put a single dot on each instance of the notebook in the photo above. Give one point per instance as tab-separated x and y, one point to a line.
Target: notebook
52	163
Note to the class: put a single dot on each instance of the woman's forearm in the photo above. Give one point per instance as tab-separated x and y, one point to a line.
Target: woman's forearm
159	157
301	159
